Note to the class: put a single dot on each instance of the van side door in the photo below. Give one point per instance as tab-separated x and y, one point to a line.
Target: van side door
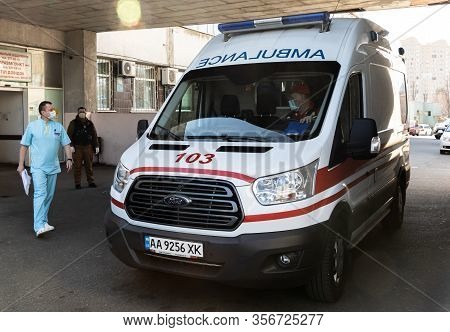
388	109
352	107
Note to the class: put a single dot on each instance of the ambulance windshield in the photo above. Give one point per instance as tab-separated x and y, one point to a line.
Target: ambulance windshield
276	102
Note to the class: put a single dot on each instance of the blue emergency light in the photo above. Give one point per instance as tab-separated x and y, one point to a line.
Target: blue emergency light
272	23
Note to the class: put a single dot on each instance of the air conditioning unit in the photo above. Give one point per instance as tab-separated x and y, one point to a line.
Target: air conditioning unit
168	76
127	68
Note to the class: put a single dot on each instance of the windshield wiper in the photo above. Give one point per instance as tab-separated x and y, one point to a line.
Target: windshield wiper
165	131
228	138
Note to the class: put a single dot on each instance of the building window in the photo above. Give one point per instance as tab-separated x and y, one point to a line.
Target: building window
144	89
103	85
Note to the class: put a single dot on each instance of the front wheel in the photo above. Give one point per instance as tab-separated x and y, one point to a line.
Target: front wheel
328	282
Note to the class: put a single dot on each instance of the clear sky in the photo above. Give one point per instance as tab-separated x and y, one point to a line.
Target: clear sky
427	24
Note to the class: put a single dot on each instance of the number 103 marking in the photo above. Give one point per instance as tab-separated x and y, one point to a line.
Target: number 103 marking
194	157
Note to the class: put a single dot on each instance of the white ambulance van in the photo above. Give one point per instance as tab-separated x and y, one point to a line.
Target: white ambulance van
281	147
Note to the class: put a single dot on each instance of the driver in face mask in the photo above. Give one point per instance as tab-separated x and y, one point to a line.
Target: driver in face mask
303	109
44	137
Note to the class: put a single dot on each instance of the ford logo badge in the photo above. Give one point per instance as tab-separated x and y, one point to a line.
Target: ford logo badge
177	200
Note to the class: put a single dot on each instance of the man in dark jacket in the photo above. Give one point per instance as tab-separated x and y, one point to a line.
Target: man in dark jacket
84	139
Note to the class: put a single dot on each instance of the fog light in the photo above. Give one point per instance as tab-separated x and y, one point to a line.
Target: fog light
288	259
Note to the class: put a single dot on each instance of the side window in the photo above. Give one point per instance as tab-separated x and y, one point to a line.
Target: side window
351	108
352	105
403	98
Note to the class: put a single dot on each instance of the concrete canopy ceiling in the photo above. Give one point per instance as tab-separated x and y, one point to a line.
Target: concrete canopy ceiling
101	15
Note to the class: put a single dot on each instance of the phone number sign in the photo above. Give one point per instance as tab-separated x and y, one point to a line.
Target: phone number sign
15	66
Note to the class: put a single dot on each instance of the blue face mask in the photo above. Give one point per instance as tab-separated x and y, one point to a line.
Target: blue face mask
293	104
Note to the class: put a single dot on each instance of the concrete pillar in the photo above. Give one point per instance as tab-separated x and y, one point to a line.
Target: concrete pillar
80	71
170	47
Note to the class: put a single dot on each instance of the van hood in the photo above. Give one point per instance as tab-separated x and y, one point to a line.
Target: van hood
238	162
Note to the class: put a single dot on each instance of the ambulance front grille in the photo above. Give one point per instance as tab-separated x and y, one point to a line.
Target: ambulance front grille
214	203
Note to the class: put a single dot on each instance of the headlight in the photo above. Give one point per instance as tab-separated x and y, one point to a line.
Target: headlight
446	138
121	177
286	187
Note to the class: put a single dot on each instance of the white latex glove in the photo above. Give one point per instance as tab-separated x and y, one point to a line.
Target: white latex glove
306	119
72	149
97	150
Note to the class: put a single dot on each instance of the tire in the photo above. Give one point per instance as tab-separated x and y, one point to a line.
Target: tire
394	219
442	152
328	282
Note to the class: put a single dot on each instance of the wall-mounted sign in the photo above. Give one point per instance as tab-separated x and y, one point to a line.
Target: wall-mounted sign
15	66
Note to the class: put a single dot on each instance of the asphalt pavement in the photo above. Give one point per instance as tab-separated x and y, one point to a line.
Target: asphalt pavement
72	269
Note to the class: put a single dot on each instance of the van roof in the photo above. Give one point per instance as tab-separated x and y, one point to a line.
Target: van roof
290	44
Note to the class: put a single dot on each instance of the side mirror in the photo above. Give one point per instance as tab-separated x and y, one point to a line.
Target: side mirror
141	127
364	141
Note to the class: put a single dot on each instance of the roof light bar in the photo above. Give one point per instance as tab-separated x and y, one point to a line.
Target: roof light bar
272	23
315	18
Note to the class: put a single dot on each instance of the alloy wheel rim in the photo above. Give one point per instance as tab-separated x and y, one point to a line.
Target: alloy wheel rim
338	270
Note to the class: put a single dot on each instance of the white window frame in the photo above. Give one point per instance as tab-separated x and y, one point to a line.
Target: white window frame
152	81
109	92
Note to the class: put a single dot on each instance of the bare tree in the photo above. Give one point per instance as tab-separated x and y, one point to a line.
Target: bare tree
443	98
414	90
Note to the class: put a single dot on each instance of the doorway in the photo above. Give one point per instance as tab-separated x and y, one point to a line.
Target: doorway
11	125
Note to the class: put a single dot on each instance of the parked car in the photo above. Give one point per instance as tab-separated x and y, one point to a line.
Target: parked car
414	130
445	141
424	130
439	128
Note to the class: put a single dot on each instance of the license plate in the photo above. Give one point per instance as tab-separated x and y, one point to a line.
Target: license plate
173	247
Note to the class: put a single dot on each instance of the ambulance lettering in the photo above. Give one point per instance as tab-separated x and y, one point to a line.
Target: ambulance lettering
243	56
228	57
264	55
284	53
257	56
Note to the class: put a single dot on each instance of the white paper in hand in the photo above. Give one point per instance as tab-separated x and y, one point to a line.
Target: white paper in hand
26	180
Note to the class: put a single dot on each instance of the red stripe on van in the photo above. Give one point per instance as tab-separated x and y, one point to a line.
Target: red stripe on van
327	178
227	174
294	213
117	203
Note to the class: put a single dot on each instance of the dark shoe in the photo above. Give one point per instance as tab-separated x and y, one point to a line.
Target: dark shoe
77	186
92	185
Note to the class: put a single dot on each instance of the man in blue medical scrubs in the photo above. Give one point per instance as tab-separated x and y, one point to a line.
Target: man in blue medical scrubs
44	137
